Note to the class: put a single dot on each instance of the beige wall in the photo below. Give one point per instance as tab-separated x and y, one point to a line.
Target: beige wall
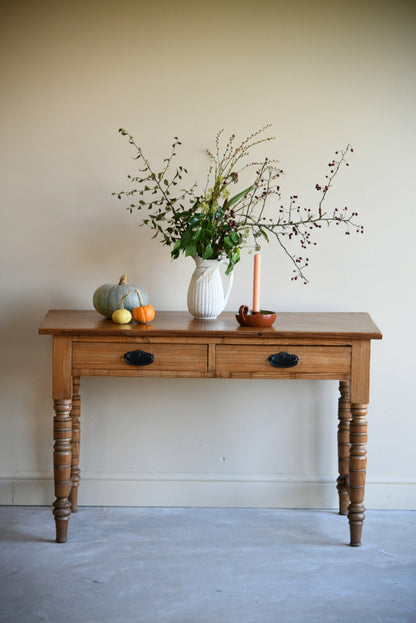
324	73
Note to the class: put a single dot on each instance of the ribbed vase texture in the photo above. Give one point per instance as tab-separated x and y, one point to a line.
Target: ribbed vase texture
206	298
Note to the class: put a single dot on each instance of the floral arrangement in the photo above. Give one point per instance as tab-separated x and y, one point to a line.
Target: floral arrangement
217	224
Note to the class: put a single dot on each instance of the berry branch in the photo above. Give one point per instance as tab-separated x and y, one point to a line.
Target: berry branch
215	224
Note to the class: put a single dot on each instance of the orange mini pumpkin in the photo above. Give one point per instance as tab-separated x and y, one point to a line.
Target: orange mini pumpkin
144	313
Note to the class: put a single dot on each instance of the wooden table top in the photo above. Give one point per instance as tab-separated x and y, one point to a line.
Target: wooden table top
353	325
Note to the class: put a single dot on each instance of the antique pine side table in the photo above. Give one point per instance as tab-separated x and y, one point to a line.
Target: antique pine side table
298	346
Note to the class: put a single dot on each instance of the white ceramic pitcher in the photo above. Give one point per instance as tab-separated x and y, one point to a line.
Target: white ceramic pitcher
206	297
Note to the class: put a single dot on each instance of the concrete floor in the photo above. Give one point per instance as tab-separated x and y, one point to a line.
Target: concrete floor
158	565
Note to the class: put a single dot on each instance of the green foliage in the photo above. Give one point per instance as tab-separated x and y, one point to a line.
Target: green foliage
215	225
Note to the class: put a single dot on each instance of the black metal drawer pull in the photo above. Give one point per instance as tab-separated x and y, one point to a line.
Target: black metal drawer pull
139	358
283	360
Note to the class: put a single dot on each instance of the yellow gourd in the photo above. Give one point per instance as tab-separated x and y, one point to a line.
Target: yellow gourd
121	316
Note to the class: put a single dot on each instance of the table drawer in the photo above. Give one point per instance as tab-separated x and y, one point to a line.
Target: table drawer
314	362
147	359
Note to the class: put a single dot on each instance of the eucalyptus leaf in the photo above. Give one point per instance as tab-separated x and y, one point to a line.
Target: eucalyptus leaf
209	252
264	234
199	232
190	249
236	198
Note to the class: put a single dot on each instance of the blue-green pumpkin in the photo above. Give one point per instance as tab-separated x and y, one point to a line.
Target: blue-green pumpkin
107	297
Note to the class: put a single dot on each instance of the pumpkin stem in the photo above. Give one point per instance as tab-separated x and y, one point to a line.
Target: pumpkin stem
140	298
122	300
123	280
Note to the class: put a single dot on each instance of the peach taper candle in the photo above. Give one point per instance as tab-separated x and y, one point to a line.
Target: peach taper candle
256	283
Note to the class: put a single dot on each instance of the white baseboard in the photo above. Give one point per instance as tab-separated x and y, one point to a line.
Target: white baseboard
257	491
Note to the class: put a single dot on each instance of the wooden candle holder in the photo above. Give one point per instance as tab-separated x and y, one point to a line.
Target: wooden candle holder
248	318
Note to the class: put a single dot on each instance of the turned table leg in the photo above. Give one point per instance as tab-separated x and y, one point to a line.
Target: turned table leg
62	433
75	443
357	471
344	415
